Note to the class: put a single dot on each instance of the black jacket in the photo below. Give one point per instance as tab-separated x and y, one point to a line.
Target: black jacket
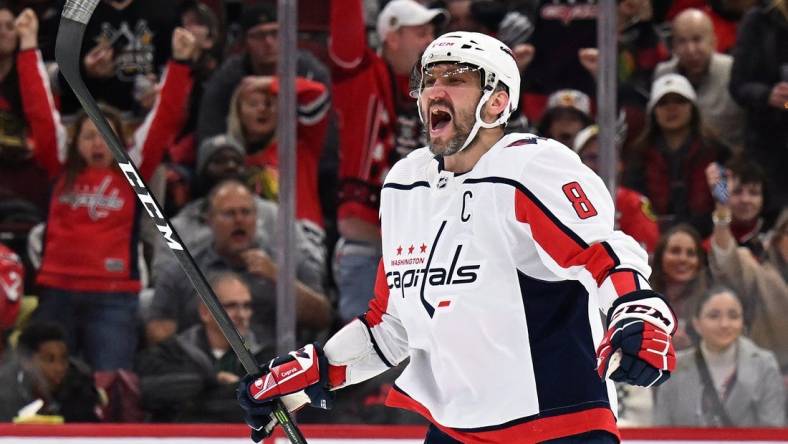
75	400
178	379
760	55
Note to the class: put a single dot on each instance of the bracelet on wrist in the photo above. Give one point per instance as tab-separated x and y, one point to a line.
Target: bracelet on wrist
721	217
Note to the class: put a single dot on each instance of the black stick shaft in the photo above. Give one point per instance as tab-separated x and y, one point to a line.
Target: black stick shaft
76	14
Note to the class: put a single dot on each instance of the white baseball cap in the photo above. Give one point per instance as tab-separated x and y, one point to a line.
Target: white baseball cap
399	13
570	98
671	83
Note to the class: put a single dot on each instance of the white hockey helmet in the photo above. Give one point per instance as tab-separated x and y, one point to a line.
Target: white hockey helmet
493	57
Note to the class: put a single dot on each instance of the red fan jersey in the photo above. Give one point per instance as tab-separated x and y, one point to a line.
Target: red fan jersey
92	235
312	98
635	217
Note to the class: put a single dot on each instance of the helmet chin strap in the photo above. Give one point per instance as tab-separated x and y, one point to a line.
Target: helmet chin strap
488	92
479	123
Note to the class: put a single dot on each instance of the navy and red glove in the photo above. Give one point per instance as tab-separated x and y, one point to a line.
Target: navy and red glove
298	378
640	325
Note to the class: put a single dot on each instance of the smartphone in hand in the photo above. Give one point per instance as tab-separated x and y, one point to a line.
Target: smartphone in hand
720	190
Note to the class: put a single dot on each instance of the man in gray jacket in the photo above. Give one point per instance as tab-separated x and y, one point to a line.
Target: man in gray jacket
232	245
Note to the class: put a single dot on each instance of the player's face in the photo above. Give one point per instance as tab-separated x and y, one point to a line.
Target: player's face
745	200
449	97
232	218
92	147
237	302
262	43
51	359
680	262
720	321
673	112
257	111
8	36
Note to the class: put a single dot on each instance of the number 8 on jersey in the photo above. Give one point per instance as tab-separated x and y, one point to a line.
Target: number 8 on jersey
577	196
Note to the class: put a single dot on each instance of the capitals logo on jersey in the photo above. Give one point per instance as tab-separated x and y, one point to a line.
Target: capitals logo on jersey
443	273
455	274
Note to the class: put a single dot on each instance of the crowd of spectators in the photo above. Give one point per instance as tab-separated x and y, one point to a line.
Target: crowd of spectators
92	301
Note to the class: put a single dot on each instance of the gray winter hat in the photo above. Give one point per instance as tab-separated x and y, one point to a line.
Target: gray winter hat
212	145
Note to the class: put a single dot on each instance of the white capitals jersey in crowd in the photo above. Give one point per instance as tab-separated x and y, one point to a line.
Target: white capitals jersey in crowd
495	281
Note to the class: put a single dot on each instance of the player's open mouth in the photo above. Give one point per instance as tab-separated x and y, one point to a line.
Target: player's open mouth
439	119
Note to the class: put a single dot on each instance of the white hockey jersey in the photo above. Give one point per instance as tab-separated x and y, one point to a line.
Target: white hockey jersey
492	282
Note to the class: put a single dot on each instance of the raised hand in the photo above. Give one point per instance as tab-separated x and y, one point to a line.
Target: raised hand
589	58
100	61
523	55
259	263
26	25
184	45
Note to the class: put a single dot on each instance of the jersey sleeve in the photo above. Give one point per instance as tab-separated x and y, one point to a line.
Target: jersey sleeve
41	115
347	45
165	119
570	214
370	344
314	102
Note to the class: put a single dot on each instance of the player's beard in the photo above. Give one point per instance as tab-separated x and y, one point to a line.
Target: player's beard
462	122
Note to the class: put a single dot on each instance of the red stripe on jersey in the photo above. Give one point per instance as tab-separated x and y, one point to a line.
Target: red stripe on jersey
536	430
624	282
378	304
521	142
337	375
555	240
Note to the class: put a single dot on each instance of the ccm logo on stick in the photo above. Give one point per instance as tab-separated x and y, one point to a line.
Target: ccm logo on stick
150	206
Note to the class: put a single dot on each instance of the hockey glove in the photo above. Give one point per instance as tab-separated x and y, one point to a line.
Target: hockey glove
640	325
298	378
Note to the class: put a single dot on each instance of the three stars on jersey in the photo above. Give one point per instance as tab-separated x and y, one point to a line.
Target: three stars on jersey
422	249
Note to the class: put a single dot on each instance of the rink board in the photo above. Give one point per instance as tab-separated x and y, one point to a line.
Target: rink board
122	440
329	434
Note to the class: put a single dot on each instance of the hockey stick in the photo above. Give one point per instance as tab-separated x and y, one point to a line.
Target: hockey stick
75	17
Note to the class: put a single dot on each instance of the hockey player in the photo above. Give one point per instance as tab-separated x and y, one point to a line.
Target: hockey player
498	253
